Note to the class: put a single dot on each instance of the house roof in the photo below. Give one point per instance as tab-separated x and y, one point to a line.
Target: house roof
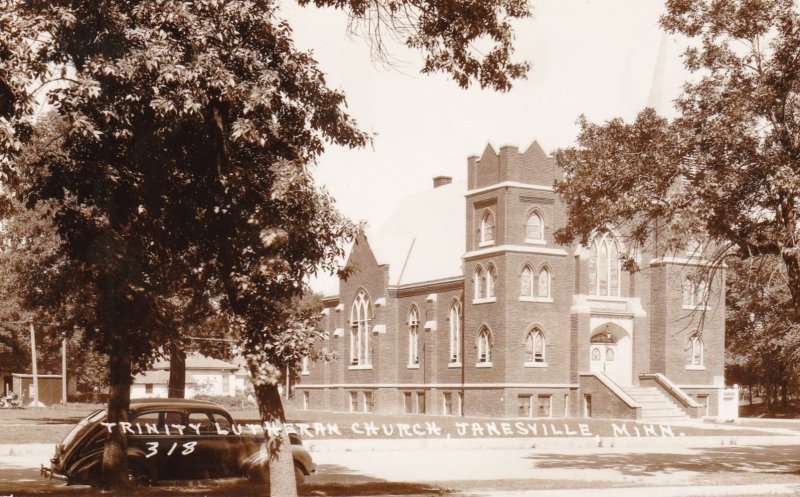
154	377
196	360
160	377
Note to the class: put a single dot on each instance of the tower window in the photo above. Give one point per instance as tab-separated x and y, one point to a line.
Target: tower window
487	228
535	347
484	347
694	356
534	228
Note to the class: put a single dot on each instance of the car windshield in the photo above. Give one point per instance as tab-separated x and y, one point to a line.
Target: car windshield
91	418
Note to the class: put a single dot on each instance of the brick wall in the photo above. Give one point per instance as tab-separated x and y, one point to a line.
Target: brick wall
605	404
659	337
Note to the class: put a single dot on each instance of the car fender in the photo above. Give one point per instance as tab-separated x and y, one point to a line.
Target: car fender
300	458
88	465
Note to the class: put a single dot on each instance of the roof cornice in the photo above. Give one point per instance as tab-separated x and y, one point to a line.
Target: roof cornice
509	184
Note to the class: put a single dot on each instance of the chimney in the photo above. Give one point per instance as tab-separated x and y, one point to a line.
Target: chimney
441	181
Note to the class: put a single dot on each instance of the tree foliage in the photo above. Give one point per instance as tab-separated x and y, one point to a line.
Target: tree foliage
762	338
180	188
727	169
469	40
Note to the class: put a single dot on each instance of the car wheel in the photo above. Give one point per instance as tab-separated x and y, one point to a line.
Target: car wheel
139	476
258	473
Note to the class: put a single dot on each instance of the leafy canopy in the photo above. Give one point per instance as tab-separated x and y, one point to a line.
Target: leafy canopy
726	169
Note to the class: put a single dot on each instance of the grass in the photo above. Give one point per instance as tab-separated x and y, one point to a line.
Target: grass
52	424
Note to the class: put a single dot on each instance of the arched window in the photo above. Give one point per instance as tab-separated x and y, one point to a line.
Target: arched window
526	282
688	292
694	291
604	266
491	276
360	318
479	282
700	292
535	346
487	228
695	352
455	332
543	289
484	346
413	336
534	228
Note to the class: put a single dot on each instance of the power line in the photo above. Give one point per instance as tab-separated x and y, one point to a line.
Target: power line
213	339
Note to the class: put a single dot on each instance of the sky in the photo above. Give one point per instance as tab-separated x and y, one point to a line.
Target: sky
588	57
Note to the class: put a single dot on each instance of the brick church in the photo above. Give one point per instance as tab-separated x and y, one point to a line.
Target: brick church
464	304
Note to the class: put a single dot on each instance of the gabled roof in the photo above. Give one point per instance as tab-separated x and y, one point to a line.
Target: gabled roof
160	377
425	237
154	377
196	360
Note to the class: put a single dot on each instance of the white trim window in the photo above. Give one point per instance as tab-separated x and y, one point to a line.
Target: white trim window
447	404
487	230
604	266
694	356
304	364
491	277
526	281
535	348
479	282
534	228
695	292
484	347
455	332
413	337
543	283
360	318
369	401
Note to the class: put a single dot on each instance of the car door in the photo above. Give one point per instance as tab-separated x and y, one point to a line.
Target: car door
230	446
157	438
210	457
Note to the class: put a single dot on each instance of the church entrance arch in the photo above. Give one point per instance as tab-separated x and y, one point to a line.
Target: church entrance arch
610	352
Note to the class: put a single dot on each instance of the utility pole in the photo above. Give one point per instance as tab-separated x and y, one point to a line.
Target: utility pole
64	372
288	385
34	368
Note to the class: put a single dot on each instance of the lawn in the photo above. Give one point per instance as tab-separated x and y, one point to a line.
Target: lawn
52	424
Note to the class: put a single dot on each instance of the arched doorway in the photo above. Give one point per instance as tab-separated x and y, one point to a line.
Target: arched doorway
610	353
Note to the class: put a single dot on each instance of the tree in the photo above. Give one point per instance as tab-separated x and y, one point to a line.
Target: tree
183	180
727	169
761	336
30	244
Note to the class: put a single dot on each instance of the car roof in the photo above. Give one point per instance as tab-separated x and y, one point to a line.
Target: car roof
156	402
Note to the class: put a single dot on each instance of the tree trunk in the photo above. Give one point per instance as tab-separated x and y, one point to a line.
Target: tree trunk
114	472
281	463
177	371
768	395
750	394
784	394
791	260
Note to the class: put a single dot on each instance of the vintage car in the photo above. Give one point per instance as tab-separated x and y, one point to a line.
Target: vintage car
171	439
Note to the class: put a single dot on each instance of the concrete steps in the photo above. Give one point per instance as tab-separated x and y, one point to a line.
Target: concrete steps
655	405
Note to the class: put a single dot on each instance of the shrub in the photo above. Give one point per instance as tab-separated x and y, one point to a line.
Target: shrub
240	401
